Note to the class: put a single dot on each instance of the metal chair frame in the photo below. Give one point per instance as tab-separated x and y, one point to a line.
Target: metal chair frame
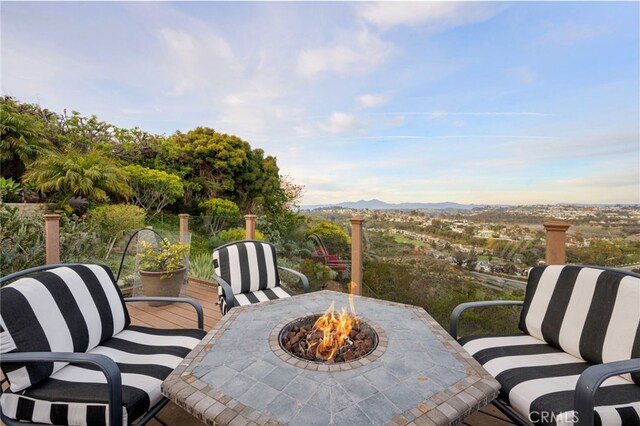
226	287
108	367
588	382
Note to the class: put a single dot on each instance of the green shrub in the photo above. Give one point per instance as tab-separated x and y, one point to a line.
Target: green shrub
9	190
201	266
317	273
111	222
21	240
334	238
230	235
79	242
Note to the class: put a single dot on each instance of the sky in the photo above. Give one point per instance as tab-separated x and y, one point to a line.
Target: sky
479	102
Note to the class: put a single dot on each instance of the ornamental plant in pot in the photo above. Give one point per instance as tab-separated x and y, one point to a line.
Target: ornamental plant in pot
162	269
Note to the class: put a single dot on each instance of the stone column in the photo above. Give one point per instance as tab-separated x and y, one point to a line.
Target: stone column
250	226
184	228
52	238
556	237
356	256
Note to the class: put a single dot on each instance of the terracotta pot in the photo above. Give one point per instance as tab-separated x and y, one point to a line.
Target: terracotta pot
162	284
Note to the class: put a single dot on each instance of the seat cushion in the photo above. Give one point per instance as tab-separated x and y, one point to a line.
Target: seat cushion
78	394
254	297
67	309
588	312
538	379
247	266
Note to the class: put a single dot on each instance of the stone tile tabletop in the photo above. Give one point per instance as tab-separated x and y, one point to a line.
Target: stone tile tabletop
418	375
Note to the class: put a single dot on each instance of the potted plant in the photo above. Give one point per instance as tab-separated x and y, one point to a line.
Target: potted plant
162	269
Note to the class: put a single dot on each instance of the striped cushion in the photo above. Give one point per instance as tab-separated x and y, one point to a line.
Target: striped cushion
247	266
590	313
67	309
254	297
537	378
77	394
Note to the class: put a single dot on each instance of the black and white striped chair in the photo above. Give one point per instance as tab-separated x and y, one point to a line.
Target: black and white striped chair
580	340
247	273
70	356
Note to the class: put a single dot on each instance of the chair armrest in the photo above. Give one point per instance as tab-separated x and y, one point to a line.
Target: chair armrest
103	362
303	279
458	310
196	305
589	382
227	292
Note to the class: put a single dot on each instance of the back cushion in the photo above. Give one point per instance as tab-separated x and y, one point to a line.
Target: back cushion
590	313
67	309
247	266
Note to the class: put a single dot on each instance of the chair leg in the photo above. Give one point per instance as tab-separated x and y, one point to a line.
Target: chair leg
153	412
507	411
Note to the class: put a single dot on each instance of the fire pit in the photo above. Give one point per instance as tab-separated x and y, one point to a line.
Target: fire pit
329	338
308	339
243	373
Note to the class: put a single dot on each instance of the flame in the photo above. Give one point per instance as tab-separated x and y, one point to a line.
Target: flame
335	330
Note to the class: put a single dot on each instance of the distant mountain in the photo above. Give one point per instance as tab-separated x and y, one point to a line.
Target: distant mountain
381	205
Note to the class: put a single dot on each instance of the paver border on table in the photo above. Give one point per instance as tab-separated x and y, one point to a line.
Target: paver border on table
213	407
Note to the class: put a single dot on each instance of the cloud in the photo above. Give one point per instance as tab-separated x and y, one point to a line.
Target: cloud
358	54
372	101
195	57
434	16
340	122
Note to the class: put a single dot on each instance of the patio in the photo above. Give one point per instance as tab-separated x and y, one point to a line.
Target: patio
182	316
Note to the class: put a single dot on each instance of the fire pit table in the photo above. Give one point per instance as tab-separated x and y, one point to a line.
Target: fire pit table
416	374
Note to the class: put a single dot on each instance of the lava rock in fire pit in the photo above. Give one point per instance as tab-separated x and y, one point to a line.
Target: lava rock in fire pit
303	341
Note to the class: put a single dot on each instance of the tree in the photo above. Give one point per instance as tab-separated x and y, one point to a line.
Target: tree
21	139
218	212
207	158
293	193
153	189
258	188
84	134
92	176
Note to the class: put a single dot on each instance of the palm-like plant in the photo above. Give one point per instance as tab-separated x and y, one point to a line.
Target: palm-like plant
21	139
93	176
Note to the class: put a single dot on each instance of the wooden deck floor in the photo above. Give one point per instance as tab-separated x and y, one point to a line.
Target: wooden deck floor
179	315
183	315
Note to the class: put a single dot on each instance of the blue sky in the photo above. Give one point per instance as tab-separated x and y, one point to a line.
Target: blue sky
514	103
